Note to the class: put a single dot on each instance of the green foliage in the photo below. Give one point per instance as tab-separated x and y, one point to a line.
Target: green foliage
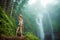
7	24
30	36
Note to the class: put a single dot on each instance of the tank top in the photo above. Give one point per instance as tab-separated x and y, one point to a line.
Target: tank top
20	22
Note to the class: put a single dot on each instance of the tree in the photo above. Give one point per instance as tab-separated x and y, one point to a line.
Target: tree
5	1
12	8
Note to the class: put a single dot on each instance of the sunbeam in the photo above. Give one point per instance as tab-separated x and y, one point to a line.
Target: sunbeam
45	3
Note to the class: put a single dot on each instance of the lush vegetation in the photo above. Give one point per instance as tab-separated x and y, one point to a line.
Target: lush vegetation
30	36
7	24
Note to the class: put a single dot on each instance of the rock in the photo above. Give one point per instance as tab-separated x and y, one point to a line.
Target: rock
12	38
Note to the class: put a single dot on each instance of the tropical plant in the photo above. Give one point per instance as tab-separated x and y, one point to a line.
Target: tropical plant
7	24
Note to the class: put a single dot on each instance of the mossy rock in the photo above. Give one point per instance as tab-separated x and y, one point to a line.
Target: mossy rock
30	36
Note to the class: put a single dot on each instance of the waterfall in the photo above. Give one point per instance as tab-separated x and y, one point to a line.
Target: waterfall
40	25
50	23
52	34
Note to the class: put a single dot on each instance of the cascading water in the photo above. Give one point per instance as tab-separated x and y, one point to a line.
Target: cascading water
39	22
51	27
40	25
50	23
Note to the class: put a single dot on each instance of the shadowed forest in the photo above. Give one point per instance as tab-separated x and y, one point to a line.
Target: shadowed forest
41	19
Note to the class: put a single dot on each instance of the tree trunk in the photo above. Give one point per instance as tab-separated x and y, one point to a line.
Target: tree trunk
12	8
5	5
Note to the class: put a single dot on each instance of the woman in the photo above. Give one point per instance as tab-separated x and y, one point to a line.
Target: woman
20	25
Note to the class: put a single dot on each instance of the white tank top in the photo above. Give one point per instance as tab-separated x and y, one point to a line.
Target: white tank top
20	22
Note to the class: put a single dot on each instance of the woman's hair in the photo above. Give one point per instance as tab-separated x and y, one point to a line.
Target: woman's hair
20	16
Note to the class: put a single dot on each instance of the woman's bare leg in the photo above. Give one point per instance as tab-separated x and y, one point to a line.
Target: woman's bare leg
21	29
17	31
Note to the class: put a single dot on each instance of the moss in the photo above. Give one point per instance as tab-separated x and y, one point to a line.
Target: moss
30	36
